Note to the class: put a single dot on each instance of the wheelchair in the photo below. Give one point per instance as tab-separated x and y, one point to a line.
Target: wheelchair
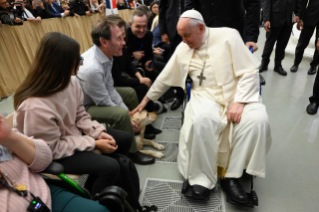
187	188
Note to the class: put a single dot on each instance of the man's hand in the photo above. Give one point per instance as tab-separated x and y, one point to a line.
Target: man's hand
40	4
234	114
66	12
165	39
106	145
146	81
300	25
0	25
34	6
76	15
267	26
5	130
318	45
88	13
141	106
296	19
65	7
147	64
158	51
38	19
18	20
136	128
138	55
252	44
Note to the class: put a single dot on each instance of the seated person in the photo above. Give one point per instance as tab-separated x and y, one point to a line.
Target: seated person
79	8
95	7
102	101
225	104
21	158
53	10
154	13
139	43
49	106
135	80
28	13
5	17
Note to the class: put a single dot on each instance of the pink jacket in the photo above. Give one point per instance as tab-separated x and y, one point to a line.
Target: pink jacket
59	120
21	173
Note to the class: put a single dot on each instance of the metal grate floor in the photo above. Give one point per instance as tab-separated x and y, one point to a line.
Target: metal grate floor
173	123
166	195
170	151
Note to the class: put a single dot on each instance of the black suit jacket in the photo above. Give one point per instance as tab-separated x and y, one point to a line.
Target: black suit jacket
168	17
280	12
310	15
78	7
230	13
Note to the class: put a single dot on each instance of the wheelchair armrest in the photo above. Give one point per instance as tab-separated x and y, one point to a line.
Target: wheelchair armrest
54	168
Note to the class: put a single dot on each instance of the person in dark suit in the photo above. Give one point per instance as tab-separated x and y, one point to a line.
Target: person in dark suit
243	15
79	8
312	108
169	12
309	21
278	21
54	10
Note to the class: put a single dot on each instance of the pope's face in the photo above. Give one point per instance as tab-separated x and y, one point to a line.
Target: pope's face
191	35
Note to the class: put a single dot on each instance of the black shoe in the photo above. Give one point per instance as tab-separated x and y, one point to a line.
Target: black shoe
159	106
262	80
151	129
312	70
149	136
263	68
200	192
312	108
140	158
176	104
294	68
280	70
234	190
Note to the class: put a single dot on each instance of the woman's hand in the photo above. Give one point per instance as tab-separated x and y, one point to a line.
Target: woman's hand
106	145
5	130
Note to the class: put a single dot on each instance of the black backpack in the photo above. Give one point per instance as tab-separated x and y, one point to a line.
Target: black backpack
130	182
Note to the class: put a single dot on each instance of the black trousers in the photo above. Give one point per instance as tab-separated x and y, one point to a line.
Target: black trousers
303	42
141	91
315	97
281	35
103	170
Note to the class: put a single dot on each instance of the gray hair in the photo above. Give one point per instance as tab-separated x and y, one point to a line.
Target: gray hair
195	22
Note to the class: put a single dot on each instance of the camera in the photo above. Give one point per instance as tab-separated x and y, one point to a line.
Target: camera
18	11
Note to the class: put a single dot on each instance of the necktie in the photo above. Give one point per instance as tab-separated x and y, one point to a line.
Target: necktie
54	9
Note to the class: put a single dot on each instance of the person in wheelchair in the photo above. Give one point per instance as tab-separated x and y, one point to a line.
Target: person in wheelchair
22	157
49	106
226	127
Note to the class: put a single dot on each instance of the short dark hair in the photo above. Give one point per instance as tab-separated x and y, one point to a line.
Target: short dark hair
117	20
152	4
139	13
102	28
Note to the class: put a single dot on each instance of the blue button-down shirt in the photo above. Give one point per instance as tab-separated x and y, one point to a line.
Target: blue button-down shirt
97	81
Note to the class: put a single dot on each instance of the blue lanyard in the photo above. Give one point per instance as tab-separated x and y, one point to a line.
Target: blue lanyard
140	46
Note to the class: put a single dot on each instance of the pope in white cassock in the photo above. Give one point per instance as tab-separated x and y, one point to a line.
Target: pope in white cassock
226	127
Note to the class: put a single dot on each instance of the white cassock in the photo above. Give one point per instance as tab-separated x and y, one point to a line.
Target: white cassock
208	144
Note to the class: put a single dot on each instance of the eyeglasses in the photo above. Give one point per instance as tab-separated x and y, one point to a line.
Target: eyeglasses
3	3
81	61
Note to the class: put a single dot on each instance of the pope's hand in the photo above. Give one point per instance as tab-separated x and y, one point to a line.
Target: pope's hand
235	112
141	106
252	44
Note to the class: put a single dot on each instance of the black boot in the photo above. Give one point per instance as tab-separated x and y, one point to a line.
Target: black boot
177	103
263	67
312	108
151	129
280	70
294	68
141	158
312	70
234	189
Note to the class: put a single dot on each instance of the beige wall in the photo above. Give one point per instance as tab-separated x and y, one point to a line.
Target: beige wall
18	44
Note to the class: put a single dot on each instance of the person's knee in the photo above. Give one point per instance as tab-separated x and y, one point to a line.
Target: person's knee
122	115
112	168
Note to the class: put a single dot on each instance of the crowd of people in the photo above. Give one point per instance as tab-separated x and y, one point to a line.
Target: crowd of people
66	96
